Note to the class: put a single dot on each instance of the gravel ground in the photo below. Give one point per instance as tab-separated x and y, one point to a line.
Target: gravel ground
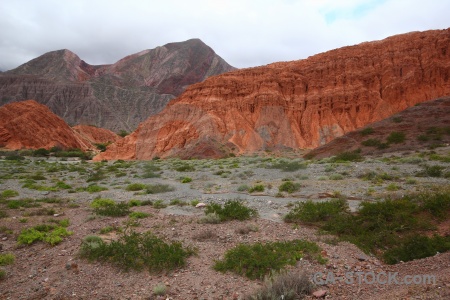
44	272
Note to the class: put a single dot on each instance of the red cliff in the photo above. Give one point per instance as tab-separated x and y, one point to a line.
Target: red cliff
299	104
96	135
30	125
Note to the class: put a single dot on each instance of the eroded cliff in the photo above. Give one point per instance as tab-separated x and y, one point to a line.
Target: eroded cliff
299	104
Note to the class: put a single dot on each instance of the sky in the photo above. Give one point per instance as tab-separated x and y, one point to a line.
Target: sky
246	33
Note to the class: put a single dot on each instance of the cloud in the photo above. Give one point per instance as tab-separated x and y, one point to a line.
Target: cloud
245	33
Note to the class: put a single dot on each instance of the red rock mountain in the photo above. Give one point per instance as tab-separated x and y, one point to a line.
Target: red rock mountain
425	125
117	96
298	104
96	135
30	125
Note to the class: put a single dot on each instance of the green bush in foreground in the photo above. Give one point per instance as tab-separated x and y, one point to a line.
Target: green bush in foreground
415	247
312	212
47	233
257	260
232	210
9	194
6	259
135	187
389	228
137	251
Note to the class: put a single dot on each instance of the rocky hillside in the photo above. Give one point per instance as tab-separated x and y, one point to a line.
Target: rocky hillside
426	125
30	125
299	104
96	135
117	96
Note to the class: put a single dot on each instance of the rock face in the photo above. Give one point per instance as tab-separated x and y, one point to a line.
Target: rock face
299	104
96	135
424	125
30	125
117	96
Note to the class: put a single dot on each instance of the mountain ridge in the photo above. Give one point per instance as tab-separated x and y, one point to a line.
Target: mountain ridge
116	96
299	104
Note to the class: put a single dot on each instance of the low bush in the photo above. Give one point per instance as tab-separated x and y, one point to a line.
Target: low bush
135	187
288	166
416	247
257	260
232	210
108	207
9	194
347	156
137	251
396	137
314	212
47	233
186	179
184	168
289	187
6	259
367	131
138	215
287	286
158	188
256	188
385	227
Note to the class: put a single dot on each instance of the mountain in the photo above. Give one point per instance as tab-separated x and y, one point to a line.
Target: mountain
30	125
298	104
425	125
117	96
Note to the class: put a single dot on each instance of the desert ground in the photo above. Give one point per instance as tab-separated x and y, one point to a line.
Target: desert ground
49	190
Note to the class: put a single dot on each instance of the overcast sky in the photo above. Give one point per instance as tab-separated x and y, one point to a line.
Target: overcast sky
245	33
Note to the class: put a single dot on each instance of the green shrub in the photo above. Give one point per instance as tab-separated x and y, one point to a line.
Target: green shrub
158	204
336	177
396	137
371	143
137	251
122	133
14	157
431	171
134	202
232	210
313	212
257	260
186	179
62	185
289	187
2	274
185	168
120	209
195	202
50	234
138	215
6	259
158	188
347	156
256	188
159	289
96	176
135	187
149	171
367	131
93	188
102	202
416	247
9	194
177	202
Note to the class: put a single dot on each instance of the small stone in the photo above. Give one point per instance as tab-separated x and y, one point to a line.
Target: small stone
362	258
200	205
56	215
320	293
4	238
45	193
